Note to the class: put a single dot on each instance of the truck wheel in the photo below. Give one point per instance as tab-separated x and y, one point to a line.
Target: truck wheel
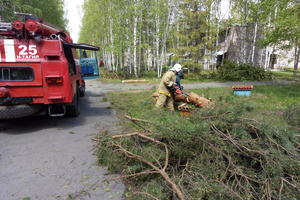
82	91
73	110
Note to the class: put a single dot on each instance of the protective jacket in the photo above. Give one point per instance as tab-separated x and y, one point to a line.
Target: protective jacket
167	81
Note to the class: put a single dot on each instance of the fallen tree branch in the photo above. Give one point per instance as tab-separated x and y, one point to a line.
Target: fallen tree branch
95	140
137	120
144	136
247	178
215	116
159	143
291	184
135	174
280	190
234	142
280	146
125	135
162	172
146	194
234	193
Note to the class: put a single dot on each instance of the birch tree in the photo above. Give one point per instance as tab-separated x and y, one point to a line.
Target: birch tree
126	29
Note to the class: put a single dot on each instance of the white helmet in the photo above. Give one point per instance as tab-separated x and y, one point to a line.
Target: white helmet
177	67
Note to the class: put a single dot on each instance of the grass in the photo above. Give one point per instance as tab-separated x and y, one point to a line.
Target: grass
201	161
286	75
266	102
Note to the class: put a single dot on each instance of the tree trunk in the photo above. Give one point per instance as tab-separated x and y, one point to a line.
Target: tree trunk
121	60
254	44
296	62
157	39
111	38
226	38
135	41
140	47
177	36
117	63
129	63
266	58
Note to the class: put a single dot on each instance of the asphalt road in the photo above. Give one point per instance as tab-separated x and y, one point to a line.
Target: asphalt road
146	86
50	159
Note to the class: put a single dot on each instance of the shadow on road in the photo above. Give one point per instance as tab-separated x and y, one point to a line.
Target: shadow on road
91	107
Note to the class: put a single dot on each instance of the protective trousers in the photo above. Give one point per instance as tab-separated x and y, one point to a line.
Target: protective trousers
165	101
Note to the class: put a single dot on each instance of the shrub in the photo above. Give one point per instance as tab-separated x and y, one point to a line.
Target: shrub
104	73
203	75
242	72
292	115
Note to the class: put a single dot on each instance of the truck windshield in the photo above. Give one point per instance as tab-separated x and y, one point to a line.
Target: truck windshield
16	74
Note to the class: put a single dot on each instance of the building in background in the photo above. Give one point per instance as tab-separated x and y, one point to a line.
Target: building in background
241	44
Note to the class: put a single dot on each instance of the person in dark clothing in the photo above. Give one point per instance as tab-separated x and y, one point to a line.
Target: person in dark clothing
179	76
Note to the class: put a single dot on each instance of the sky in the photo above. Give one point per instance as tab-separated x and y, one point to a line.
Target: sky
74	14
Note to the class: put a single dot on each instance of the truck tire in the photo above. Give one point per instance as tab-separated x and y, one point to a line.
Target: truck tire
82	91
18	111
73	110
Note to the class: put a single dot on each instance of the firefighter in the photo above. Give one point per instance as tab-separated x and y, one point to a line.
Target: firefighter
168	82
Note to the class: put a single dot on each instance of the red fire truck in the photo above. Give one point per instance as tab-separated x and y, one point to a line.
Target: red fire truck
39	70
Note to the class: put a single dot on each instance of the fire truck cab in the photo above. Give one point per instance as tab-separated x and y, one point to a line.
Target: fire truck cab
39	71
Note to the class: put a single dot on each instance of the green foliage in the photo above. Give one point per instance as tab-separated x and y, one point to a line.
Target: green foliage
202	76
197	34
287	74
205	163
285	21
189	28
110	24
241	72
292	114
50	11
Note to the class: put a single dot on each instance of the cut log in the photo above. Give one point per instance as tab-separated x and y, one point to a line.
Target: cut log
199	101
180	98
155	95
191	98
135	81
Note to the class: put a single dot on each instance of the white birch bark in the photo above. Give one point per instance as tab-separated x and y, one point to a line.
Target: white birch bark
266	58
129	63
112	43
157	42
254	43
135	21
140	56
296	59
121	61
117	63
